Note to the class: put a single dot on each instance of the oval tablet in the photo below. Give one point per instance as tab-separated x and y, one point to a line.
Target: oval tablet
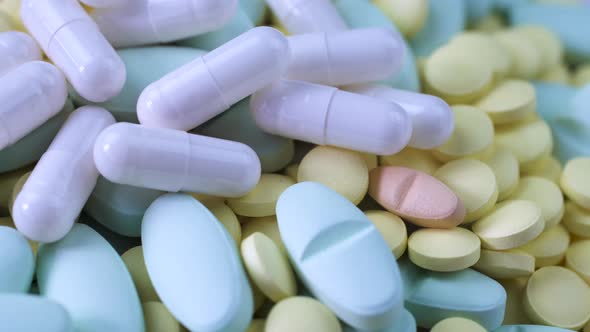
392	228
547	43
416	196
26	313
328	239
510	101
265	225
505	264
261	201
134	261
17	262
575	181
547	196
577	259
525	59
158	318
226	217
301	314
419	160
486	48
530	142
505	167
577	220
221	300
84	266
455	324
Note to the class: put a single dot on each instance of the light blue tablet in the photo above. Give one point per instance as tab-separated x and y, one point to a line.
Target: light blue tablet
28	313
17	263
404	323
446	18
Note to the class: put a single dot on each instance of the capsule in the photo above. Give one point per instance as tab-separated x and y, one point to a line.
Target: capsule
304	16
72	41
143	22
17	48
31	94
173	160
327	58
61	182
432	118
209	85
327	116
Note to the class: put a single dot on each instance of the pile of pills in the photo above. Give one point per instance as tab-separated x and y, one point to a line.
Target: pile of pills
294	165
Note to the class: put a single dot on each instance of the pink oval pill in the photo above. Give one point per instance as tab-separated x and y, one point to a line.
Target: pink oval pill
416	197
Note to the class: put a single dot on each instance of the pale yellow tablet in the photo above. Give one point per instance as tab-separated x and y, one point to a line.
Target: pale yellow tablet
133	259
509	225
505	167
262	200
420	160
291	171
300	313
487	49
227	217
577	220
575	181
507	264
577	259
473	136
559	297
557	74
548	168
530	142
457	324
525	58
444	250
265	225
581	76
510	101
546	194
392	228
549	248
514	313
268	267
408	16
473	182
256	325
549	47
158	318
344	171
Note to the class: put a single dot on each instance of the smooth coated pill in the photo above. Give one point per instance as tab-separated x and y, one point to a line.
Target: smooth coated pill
301	314
530	142
307	15
17	262
158	318
507	264
575	181
455	324
486	48
419	160
226	217
17	48
547	196
510	101
392	228
25	313
262	200
505	167
577	220
577	259
134	261
525	59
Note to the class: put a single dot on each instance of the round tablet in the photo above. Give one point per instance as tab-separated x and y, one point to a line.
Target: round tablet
577	220
582	75
133	259
505	264
409	16
265	225
420	160
475	184
257	325
549	248
227	217
268	267
575	181
456	324
509	101
559	297
301	313
444	250
473	136
548	45
509	225
546	194
456	76
548	168
485	48
342	170
530	142
577	259
392	228
525	60
514	313
261	201
158	318
506	170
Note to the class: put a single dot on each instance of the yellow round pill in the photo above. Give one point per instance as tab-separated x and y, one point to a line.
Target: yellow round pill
514	313
268	267
546	194
344	171
548	168
420	160
556	74
457	324
301	313
548	248
506	170
409	16
473	136
262	200
392	228
18	186
577	259
158	318
575	181
256	325
444	250
227	217
548	45
456	76
133	259
511	100
505	264
530	142
487	49
582	75
509	225
265	225
475	184
559	297
525	60
577	220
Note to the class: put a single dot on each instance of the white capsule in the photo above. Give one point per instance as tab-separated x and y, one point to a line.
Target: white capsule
61	182
328	58
155	21
173	160
73	42
304	16
432	118
17	48
31	94
325	115
209	85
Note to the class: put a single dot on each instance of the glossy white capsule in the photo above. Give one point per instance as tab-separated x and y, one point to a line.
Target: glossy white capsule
61	182
17	48
432	118
31	94
303	16
328	58
327	116
173	160
155	21
72	41
209	85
